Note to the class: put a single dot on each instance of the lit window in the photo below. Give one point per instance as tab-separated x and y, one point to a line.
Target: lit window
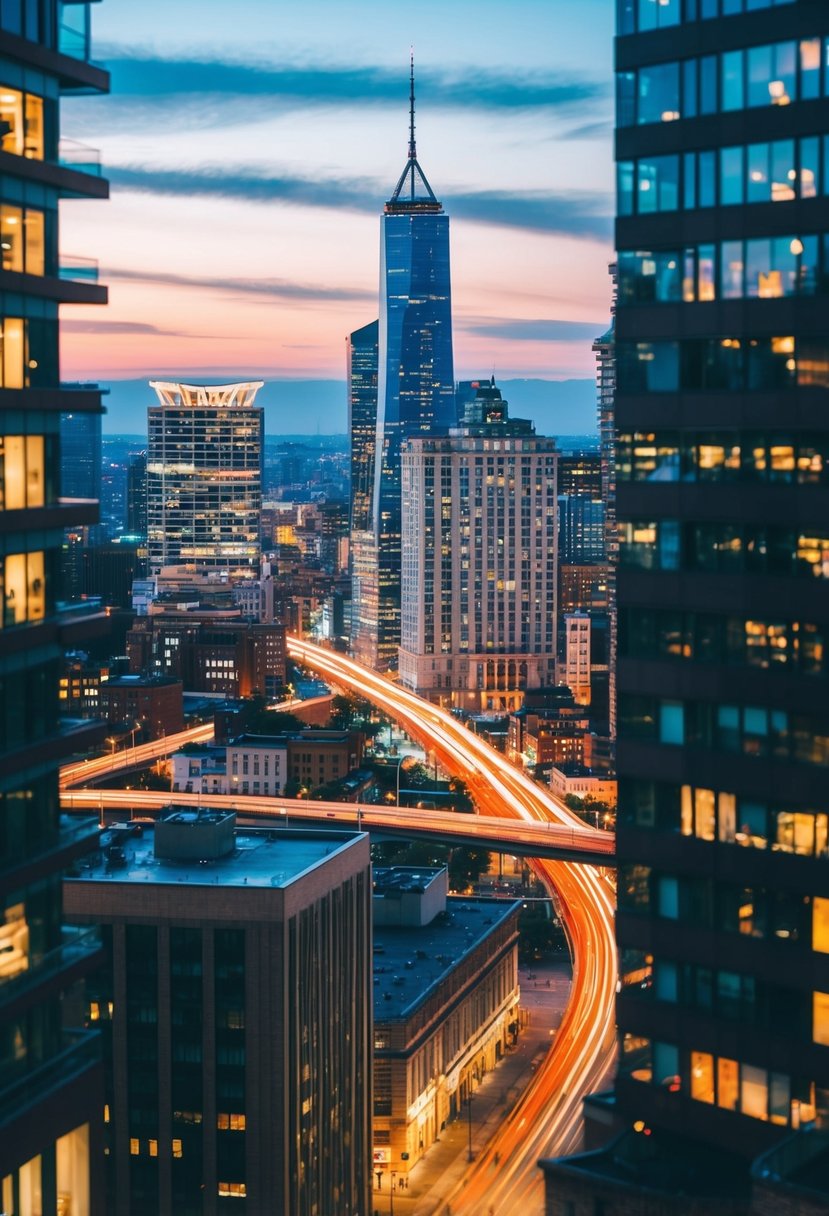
702	1076
233	1190
820	925
177	1148
135	1147
820	1018
153	1148
728	1082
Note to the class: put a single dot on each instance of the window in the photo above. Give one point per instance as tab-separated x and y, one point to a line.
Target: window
754	1093
820	925
232	1190
702	1077
21	123
658	93
728	1083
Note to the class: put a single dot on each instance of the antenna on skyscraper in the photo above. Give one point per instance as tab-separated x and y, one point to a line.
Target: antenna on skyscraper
412	145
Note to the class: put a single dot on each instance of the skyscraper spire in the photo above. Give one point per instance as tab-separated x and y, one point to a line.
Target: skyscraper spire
412	145
418	195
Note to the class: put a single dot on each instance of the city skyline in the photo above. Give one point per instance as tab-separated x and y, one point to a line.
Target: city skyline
288	149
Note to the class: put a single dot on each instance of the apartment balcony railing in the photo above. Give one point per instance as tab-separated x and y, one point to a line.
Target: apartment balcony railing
82	1049
81	270
77	945
80	157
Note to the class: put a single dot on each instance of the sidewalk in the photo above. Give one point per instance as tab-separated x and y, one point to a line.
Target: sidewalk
438	1172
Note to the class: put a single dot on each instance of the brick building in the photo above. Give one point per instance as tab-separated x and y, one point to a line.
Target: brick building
152	702
210	651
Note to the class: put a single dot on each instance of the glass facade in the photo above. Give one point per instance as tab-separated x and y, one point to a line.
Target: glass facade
50	1075
204	476
415	382
723	580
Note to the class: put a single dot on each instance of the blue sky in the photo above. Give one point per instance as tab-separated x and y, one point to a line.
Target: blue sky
251	146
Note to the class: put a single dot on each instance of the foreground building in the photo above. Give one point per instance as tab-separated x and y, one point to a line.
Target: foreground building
50	1078
204	476
236	1014
479	560
722	411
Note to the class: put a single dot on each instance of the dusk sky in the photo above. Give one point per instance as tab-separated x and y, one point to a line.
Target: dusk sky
251	146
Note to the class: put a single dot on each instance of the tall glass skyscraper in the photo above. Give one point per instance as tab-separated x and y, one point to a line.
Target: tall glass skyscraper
722	461
415	381
51	1082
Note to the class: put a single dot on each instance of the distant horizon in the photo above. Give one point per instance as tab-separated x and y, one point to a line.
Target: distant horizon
555	406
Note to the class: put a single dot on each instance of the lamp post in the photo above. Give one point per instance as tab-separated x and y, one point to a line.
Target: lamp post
399	766
470	1155
393	1175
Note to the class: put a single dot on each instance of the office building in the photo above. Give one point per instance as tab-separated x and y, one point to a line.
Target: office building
51	1095
204	476
445	1006
576	667
479	561
236	1015
362	421
581	536
415	389
137	495
212	651
722	389
580	474
143	706
81	461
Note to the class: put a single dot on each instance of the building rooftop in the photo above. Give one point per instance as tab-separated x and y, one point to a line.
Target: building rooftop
409	961
140	681
260	858
661	1164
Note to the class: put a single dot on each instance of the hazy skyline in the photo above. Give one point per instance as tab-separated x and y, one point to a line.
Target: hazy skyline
250	152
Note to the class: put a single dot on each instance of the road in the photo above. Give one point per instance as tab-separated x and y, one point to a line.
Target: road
447	827
87	772
548	1119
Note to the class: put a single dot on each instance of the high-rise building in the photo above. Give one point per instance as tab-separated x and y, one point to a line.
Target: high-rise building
362	421
136	519
576	673
204	476
722	413
81	455
479	560
415	378
51	1093
581	536
236	1016
604	350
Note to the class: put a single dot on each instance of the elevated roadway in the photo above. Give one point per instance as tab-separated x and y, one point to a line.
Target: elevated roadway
547	1121
550	840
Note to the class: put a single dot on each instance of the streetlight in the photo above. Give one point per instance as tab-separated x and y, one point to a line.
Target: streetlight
112	741
399	766
391	1192
470	1155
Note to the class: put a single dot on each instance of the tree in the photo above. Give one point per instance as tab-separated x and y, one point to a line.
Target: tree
466	865
541	934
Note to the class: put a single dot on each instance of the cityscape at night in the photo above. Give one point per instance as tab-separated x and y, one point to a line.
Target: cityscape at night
415	575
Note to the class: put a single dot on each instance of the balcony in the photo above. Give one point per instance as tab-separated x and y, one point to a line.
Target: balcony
77	269
78	157
82	1052
77	836
79	950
